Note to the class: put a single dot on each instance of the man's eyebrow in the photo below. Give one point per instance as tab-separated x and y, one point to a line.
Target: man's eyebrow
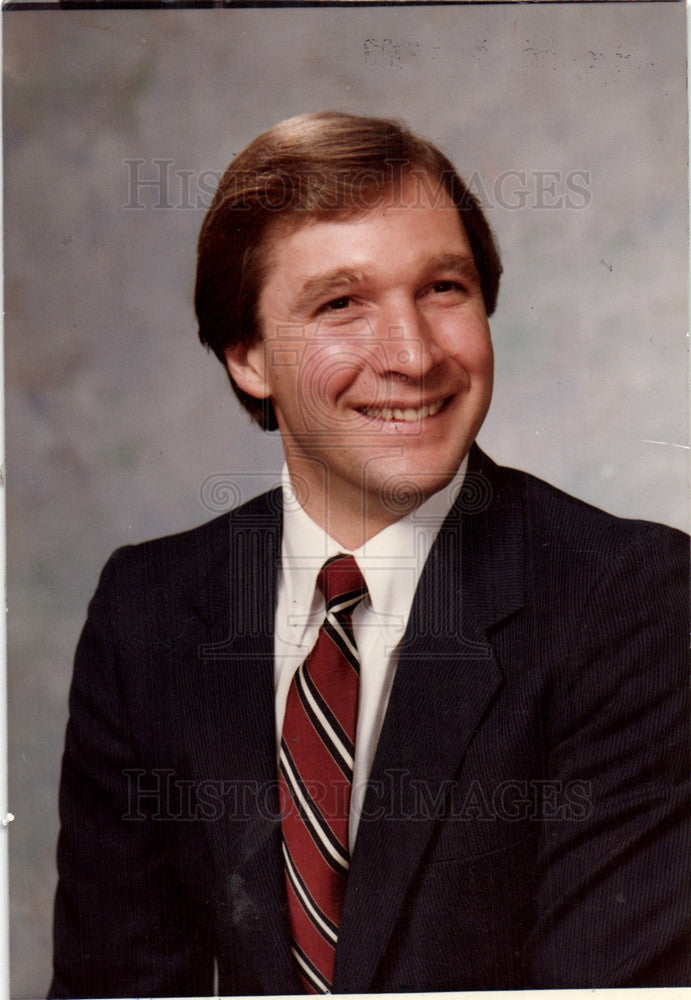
461	263
322	285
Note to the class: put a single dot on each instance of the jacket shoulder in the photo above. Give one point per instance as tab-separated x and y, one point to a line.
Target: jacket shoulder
555	518
162	578
200	548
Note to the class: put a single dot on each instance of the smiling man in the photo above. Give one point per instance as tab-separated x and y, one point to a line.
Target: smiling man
411	721
390	373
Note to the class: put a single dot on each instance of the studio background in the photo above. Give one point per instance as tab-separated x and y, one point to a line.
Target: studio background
569	118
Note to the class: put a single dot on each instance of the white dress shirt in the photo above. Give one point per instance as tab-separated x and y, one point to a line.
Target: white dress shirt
391	563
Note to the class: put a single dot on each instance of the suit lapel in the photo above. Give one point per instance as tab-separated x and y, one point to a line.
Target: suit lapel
446	678
227	694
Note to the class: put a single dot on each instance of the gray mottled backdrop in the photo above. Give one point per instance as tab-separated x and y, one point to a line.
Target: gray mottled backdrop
570	119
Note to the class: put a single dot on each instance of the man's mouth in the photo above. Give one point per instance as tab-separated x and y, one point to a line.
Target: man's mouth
408	415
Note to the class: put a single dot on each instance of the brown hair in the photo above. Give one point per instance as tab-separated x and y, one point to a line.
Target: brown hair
312	167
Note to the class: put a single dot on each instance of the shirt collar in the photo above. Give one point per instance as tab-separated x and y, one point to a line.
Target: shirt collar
391	561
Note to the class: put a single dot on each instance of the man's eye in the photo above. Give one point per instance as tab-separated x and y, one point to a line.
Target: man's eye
337	304
447	286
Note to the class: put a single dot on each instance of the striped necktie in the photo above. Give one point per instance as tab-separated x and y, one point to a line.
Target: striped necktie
316	776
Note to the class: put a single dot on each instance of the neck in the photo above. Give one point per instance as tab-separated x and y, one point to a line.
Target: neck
350	526
348	515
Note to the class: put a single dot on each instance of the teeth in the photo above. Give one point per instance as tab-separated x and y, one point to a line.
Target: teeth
409	415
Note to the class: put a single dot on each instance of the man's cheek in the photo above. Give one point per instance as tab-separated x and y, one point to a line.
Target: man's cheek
323	375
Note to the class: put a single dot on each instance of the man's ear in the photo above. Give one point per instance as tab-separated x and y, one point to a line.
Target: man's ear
247	365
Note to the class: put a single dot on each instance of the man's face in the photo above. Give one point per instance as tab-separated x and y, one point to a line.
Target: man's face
377	356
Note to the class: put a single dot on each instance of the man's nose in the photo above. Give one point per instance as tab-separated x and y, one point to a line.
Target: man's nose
405	342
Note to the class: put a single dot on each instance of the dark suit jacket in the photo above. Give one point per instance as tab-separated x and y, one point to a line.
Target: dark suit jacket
525	821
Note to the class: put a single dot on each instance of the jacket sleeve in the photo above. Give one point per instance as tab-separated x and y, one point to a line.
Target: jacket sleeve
613	897
121	927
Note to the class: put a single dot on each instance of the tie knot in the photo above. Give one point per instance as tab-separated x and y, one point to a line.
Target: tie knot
341	582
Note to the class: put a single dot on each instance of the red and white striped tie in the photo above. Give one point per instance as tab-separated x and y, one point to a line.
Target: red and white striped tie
316	776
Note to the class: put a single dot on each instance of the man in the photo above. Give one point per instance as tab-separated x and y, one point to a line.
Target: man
413	722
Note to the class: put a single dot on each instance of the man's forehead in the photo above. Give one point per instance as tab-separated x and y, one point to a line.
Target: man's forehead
415	188
285	234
